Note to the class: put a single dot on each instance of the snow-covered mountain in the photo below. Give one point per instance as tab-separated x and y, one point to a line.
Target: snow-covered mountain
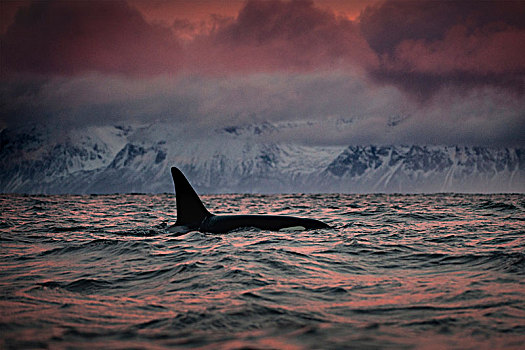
428	169
241	159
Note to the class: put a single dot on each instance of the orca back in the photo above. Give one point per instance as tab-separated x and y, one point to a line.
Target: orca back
190	210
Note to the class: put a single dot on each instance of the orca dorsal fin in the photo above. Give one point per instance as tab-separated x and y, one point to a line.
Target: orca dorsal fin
190	209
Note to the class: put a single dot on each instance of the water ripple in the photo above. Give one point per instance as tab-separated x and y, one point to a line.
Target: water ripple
397	271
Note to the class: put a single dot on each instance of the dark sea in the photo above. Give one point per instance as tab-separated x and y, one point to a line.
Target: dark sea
444	271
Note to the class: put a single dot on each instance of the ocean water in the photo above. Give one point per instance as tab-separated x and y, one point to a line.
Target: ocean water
396	271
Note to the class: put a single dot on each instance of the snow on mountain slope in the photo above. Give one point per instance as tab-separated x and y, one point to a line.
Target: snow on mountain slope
241	159
427	169
36	159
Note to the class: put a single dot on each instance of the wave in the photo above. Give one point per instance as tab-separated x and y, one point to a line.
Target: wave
83	285
496	205
58	229
513	262
110	246
6	224
427	266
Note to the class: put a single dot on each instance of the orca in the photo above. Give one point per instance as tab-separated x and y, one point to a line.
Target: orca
192	215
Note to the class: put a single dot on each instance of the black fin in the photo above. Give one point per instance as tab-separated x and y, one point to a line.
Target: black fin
190	209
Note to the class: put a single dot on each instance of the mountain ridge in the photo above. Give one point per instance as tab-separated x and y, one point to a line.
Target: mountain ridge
117	159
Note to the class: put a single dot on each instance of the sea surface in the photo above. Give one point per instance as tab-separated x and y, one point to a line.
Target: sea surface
444	271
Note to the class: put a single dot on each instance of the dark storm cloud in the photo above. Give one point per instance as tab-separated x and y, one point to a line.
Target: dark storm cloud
424	85
71	37
276	35
388	24
427	45
419	46
74	37
96	63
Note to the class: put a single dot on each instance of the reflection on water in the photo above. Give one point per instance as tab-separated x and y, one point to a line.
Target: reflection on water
397	271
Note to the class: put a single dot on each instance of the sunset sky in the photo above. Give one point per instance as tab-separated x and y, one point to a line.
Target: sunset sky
426	72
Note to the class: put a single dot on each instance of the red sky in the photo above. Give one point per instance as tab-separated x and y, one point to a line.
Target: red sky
164	11
153	37
437	42
423	49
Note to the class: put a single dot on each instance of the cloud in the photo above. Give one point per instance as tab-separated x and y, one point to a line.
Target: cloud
313	108
337	81
427	45
493	53
95	99
418	46
281	36
387	24
74	37
209	101
70	38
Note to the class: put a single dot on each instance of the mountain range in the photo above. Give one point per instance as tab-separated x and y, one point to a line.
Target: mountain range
241	159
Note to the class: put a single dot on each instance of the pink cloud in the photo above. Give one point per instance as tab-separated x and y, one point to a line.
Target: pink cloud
76	36
418	46
427	45
277	35
112	37
478	53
